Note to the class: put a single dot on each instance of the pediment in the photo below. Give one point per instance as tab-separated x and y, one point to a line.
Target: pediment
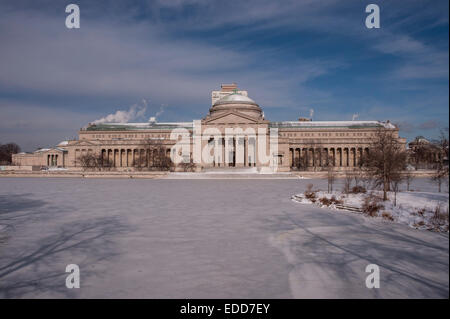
232	117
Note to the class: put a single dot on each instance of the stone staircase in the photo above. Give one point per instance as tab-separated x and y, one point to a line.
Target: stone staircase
230	170
231	173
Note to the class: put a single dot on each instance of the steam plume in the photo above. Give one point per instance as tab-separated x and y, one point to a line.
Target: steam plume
122	116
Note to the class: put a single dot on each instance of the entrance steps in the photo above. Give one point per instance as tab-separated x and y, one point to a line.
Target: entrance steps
230	170
231	173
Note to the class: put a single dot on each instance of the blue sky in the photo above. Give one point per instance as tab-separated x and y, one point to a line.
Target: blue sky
291	56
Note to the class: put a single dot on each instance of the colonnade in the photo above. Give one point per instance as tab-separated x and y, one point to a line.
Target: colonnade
132	157
52	160
233	151
323	157
129	157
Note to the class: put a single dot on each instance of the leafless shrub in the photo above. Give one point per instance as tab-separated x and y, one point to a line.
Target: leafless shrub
387	216
439	217
421	211
334	200
358	189
419	224
188	166
329	201
371	205
325	201
309	193
347	183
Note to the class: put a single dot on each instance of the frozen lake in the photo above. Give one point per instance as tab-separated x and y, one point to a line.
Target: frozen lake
204	239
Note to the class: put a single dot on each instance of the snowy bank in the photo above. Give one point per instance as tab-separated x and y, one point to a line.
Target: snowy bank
420	210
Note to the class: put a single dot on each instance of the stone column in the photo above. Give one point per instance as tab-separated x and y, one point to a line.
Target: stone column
216	151
239	153
245	151
228	145
347	156
339	163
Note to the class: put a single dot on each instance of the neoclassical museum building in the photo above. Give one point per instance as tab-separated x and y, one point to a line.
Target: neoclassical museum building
303	144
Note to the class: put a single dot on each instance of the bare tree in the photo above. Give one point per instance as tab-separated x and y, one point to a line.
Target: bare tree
408	177
347	182
158	158
421	155
331	178
358	175
87	161
93	161
188	166
6	151
331	174
395	183
441	172
385	160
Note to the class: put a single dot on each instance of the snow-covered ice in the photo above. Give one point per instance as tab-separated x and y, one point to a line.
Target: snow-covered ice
135	238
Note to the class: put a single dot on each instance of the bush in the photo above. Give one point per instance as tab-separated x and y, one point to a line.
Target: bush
329	201
421	211
387	216
419	224
439	216
309	193
325	201
334	200
358	189
187	166
371	205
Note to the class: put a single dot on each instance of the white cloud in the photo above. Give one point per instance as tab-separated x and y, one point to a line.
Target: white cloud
418	60
134	60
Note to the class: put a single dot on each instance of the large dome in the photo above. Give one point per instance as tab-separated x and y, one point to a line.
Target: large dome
238	102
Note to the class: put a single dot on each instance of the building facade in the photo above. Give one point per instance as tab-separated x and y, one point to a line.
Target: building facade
234	133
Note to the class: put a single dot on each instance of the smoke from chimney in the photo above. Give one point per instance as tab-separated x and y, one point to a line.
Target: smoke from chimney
123	116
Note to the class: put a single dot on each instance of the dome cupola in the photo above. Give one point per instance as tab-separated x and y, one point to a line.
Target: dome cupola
238	102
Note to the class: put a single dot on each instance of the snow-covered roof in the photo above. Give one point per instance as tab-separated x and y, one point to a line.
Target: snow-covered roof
63	143
326	124
49	149
235	98
284	124
138	126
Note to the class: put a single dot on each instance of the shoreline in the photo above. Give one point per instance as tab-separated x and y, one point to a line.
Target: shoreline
181	175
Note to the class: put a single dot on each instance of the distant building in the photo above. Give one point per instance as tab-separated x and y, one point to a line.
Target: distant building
302	144
426	154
